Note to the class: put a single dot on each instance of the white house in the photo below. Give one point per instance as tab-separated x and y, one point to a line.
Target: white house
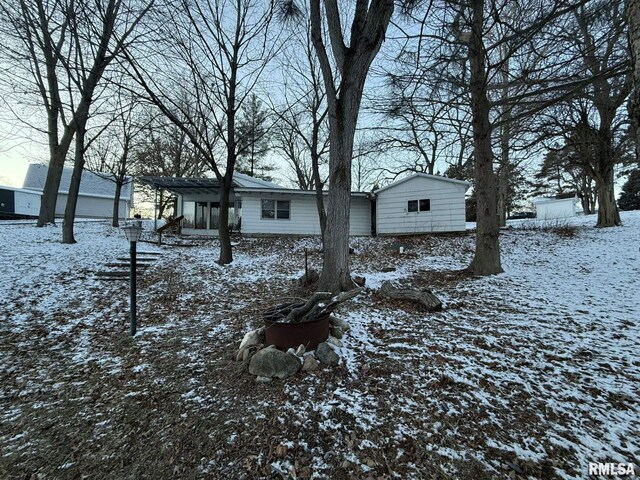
96	196
420	203
555	208
417	204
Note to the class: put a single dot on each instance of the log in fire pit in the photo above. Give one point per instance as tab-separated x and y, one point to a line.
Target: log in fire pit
289	325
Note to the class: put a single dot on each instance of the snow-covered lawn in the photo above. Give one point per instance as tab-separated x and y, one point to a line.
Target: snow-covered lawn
533	373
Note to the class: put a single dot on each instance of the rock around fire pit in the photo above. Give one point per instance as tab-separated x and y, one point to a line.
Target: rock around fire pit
267	361
284	345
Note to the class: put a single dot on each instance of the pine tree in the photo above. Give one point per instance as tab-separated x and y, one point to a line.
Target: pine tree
630	196
254	140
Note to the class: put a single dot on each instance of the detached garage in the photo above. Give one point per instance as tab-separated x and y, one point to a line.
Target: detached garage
96	197
421	203
555	208
18	203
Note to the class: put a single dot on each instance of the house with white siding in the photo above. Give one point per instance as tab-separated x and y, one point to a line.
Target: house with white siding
96	196
281	211
420	203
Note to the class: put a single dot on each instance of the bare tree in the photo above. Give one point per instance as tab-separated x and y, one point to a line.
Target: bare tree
218	51
302	135
344	75
112	155
67	46
601	43
165	151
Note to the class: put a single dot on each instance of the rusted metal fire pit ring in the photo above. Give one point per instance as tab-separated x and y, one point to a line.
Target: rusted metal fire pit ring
286	335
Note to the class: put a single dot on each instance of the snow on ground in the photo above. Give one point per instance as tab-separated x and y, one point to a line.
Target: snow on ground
533	373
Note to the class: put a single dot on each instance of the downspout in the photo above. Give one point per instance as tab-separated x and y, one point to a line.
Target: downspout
155	211
374	223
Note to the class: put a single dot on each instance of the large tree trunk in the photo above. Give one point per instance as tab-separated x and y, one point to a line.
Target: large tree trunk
226	254
115	219
505	137
74	187
486	260
608	214
632	10
317	185
336	275
57	156
370	22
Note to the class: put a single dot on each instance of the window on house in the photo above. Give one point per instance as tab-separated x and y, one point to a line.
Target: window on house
189	212
272	209
202	209
214	216
422	205
268	209
284	209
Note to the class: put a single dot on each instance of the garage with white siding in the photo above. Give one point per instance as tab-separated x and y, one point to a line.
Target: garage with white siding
280	211
421	203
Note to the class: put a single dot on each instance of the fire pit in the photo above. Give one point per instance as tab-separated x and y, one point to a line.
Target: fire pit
286	335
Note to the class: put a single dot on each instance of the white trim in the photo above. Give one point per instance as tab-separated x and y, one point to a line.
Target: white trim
18	189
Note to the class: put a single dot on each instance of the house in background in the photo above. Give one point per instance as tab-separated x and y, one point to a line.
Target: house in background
555	208
96	196
420	203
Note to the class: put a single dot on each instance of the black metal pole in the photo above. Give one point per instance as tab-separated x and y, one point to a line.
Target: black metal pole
132	288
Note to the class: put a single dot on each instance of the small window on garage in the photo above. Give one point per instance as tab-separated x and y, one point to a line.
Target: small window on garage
412	206
425	205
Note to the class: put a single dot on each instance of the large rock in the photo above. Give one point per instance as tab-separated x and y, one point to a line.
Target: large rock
338	322
310	363
327	355
252	338
271	362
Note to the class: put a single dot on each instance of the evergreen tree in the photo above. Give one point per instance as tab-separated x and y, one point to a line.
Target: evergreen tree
630	196
254	140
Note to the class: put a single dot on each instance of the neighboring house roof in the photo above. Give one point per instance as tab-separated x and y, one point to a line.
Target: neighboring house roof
290	191
424	175
91	185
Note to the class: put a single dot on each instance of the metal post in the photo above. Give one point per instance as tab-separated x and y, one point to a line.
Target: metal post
132	288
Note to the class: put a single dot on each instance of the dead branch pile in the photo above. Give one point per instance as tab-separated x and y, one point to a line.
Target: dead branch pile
319	305
424	297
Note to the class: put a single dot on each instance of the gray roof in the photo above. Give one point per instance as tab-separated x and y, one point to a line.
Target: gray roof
423	175
91	185
184	185
181	185
242	180
290	191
